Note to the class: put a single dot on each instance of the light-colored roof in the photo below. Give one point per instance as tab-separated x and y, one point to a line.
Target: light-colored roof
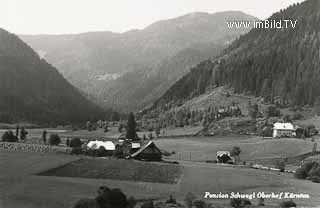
220	153
283	126
136	145
108	145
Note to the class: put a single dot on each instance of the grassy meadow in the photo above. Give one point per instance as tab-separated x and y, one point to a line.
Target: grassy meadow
22	186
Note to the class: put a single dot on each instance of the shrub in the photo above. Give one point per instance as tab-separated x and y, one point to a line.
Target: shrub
239	203
315	179
301	173
132	202
76	151
290	203
171	200
8	136
54	139
85	203
261	202
307	166
200	204
75	142
111	198
315	171
189	199
281	165
101	152
235	151
296	116
148	204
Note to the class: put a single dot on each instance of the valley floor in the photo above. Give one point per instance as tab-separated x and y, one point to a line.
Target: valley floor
21	187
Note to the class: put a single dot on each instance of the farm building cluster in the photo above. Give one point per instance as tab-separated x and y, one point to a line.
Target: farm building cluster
126	148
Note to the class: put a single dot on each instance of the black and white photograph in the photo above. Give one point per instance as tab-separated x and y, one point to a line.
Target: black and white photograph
159	103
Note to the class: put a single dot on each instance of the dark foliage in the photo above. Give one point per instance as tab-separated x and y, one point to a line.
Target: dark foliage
8	136
107	198
75	142
148	204
239	203
189	199
279	65
54	139
112	198
290	203
301	173
281	165
315	179
76	151
235	151
33	90
253	110
309	170
131	127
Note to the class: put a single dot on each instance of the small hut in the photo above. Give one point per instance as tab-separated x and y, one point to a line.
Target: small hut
149	152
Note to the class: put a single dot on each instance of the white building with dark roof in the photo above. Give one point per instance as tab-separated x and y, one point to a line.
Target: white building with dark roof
281	130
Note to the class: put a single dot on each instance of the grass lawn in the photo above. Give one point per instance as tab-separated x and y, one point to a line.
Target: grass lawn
119	170
252	148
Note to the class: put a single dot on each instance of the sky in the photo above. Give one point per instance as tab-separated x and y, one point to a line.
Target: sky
77	16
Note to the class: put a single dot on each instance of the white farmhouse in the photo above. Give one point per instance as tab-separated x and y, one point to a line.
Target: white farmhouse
108	145
281	130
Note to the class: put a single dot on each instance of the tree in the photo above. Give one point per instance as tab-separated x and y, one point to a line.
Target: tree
281	165
131	127
44	137
105	129
17	131
158	131
54	139
89	126
253	110
189	199
120	127
290	203
23	134
235	151
112	198
75	142
8	136
239	203
115	116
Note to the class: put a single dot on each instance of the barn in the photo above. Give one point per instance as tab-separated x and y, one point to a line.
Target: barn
149	152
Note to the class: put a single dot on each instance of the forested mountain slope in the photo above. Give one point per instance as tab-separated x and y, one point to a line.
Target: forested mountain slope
130	70
277	64
34	91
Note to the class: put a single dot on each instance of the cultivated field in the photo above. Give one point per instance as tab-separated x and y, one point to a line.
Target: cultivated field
129	170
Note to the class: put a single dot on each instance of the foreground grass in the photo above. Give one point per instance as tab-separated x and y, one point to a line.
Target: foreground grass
20	187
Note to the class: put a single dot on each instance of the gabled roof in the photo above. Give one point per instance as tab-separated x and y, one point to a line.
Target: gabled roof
283	126
108	145
143	148
220	153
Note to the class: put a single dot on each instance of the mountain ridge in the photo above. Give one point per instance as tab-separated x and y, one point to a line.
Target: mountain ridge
279	65
33	90
84	57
